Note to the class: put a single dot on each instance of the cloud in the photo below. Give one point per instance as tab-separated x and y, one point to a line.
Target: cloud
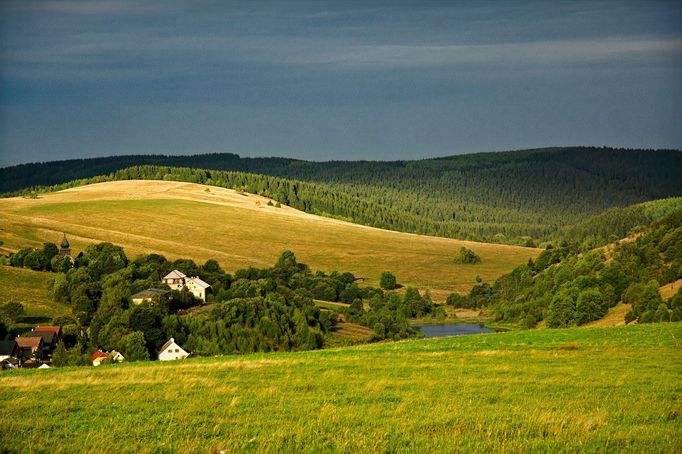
84	7
548	52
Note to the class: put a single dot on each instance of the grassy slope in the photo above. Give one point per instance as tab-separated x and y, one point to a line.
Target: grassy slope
669	290
584	389
182	220
32	290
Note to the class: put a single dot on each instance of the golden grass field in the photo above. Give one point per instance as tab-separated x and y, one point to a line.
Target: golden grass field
185	220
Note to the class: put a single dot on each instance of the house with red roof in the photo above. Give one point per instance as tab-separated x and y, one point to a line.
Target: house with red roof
99	357
57	330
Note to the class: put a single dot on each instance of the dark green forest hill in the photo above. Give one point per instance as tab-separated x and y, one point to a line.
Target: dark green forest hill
509	197
565	286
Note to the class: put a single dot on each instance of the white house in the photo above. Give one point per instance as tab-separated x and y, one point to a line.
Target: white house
177	280
116	356
149	295
197	287
172	351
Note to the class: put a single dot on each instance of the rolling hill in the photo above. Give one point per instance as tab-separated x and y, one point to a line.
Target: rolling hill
505	197
589	389
239	230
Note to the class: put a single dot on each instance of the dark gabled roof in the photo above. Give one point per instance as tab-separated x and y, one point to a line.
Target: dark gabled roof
47	336
7	348
150	293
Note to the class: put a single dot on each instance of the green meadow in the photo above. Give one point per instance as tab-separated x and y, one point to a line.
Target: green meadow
581	390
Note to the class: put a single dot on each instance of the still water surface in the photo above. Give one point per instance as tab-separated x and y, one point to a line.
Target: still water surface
452	329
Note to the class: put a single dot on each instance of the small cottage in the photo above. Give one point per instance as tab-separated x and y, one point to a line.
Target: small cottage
30	347
175	280
49	341
57	330
171	351
9	349
116	356
99	357
149	295
197	287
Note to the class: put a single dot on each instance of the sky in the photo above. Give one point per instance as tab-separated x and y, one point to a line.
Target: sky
327	80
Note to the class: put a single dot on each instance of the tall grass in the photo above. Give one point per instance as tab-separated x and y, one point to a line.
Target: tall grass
584	389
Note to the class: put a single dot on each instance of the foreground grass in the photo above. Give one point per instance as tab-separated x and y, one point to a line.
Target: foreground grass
241	230
591	389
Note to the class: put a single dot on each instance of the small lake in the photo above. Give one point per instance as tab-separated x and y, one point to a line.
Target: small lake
452	329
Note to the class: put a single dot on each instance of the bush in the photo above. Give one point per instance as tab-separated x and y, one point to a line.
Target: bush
50	250
388	281
134	347
456	300
11	312
35	260
17	259
561	312
61	264
589	306
467	256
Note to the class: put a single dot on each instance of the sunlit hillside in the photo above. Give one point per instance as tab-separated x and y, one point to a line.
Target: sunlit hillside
239	229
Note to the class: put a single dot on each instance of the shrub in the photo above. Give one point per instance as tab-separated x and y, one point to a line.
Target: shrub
35	260
467	256
11	312
388	281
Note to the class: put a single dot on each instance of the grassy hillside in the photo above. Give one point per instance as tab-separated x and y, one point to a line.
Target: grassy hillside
592	389
504	197
239	230
33	290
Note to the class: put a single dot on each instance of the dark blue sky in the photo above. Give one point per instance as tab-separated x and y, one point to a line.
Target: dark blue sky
335	80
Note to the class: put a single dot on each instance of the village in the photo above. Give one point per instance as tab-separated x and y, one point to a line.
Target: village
34	349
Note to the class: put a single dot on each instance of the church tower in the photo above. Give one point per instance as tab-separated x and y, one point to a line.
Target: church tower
65	247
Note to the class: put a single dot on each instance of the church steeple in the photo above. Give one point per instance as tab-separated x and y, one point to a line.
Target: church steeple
65	247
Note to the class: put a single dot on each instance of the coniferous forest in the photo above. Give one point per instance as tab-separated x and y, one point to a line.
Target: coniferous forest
519	197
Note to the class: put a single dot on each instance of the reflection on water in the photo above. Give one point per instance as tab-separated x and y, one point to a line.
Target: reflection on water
452	329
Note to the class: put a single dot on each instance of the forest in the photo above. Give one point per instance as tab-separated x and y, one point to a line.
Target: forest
256	310
566	286
520	197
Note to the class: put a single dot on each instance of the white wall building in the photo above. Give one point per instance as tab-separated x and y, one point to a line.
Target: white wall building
172	351
177	280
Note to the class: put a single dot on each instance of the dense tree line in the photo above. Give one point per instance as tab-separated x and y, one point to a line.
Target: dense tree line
268	309
516	197
617	223
567	287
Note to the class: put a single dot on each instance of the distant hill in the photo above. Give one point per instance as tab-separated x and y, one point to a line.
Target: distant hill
507	197
184	220
617	223
564	286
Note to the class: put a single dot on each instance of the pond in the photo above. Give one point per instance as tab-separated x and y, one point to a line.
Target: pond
452	329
